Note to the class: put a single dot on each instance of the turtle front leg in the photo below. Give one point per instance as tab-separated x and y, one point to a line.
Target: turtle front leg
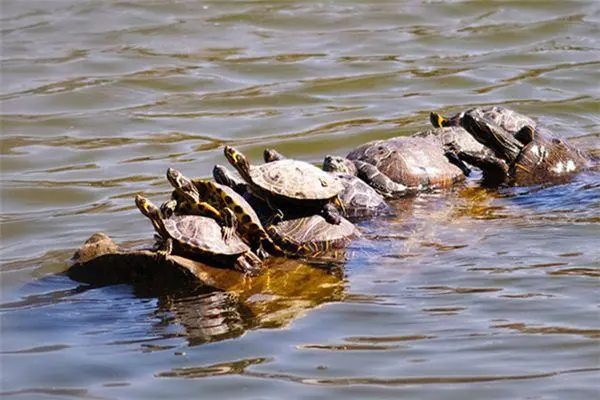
379	181
165	250
229	224
248	263
331	214
456	161
495	170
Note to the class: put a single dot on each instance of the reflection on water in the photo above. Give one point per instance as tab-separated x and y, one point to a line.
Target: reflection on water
467	293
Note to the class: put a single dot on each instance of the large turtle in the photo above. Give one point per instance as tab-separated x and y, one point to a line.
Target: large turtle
526	157
360	199
419	163
204	197
296	236
193	235
291	182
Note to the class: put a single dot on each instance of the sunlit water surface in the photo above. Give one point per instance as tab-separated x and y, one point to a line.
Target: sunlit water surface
470	293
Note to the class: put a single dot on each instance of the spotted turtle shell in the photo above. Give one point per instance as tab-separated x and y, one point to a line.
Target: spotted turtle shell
295	180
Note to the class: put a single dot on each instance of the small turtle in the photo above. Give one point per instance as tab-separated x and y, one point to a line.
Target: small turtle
195	235
526	157
360	199
291	182
301	236
418	163
203	197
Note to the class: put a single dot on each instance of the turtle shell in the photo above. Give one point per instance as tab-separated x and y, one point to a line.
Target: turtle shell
544	161
453	135
223	196
359	198
312	235
507	119
295	180
412	161
202	235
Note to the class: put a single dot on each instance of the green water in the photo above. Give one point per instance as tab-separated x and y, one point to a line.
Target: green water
462	294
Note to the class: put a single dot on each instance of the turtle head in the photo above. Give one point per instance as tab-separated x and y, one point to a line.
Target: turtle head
437	120
239	161
270	155
339	164
146	207
222	176
183	185
526	134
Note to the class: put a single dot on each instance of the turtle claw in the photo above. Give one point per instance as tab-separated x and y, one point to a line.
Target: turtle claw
456	161
249	263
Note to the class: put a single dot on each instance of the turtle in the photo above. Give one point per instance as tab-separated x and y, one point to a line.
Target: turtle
286	183
360	199
526	157
204	197
312	236
194	235
297	236
416	162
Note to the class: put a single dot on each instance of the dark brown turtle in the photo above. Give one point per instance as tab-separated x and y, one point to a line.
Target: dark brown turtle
526	157
288	183
360	199
419	163
296	236
193	235
204	197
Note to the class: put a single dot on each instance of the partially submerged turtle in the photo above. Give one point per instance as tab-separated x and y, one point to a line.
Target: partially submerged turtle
193	235
418	163
291	182
204	197
296	236
528	156
359	198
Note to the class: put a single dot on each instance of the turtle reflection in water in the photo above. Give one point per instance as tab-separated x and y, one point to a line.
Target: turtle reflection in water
528	156
193	235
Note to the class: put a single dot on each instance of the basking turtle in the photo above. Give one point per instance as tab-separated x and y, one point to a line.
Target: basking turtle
526	157
203	197
300	236
312	236
419	163
195	235
291	182
359	198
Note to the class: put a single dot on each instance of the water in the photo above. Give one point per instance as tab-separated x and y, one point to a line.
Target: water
463	294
